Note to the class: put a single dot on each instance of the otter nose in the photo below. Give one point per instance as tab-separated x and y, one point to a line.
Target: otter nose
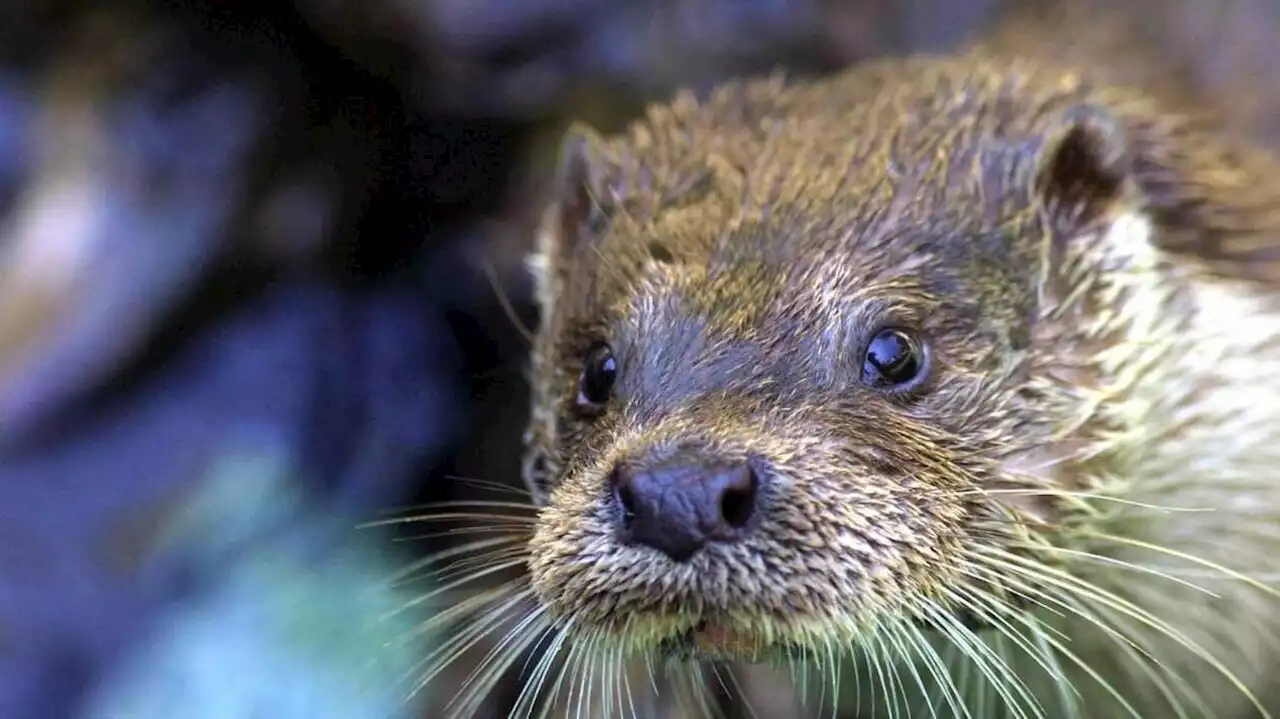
678	507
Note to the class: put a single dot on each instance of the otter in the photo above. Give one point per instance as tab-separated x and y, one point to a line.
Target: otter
952	374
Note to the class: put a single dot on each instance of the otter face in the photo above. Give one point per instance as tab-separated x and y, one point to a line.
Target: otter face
773	414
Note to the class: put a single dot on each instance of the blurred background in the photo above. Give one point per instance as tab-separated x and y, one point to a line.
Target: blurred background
255	261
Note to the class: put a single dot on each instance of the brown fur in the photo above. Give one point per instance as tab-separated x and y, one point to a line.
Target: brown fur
738	251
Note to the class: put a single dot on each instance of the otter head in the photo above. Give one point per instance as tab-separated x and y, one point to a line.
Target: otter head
798	382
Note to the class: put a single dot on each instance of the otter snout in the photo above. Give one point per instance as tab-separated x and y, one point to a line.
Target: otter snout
679	506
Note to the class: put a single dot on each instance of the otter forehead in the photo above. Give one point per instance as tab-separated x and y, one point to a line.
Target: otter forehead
775	220
904	143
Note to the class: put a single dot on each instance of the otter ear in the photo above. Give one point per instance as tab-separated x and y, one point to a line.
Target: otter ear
575	215
1082	173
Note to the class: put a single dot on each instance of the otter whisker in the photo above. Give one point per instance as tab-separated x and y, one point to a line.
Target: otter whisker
1003	680
500	294
459	575
653	680
938	672
1107	686
691	686
877	677
475	689
1085	590
1119	563
633	664
829	662
725	693
474	521
719	705
1157	673
885	641
468	569
589	669
514	534
886	669
1023	591
900	662
464	608
1244	642
468	636
596	664
1226	571
521	510
995	614
622	674
527	701
443	655
844	657
1068	694
584	672
813	661
899	640
991	666
981	492
490	484
413	569
1059	647
627	693
1001	650
500	657
477	574
469	633
792	670
836	664
579	677
884	678
505	530
1067	602
469	551
567	669
873	677
898	694
627	665
801	676
610	667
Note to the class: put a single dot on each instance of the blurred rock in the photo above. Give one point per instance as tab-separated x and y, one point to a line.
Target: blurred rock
303	621
536	59
349	389
133	172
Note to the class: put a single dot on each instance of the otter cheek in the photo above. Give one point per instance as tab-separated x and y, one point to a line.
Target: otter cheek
1031	482
572	550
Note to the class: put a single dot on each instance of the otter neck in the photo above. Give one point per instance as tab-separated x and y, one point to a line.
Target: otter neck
1173	409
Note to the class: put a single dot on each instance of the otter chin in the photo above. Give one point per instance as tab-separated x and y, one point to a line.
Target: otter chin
717	639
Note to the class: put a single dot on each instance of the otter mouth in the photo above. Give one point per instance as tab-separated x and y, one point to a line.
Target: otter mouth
709	640
712	640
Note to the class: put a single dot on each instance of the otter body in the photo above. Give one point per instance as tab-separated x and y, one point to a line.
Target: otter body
962	369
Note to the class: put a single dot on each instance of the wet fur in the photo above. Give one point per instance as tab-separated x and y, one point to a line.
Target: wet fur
1092	466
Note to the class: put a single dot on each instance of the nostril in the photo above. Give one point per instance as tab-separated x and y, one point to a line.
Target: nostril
738	502
625	497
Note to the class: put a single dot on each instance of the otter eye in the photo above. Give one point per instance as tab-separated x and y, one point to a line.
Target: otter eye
598	375
893	359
